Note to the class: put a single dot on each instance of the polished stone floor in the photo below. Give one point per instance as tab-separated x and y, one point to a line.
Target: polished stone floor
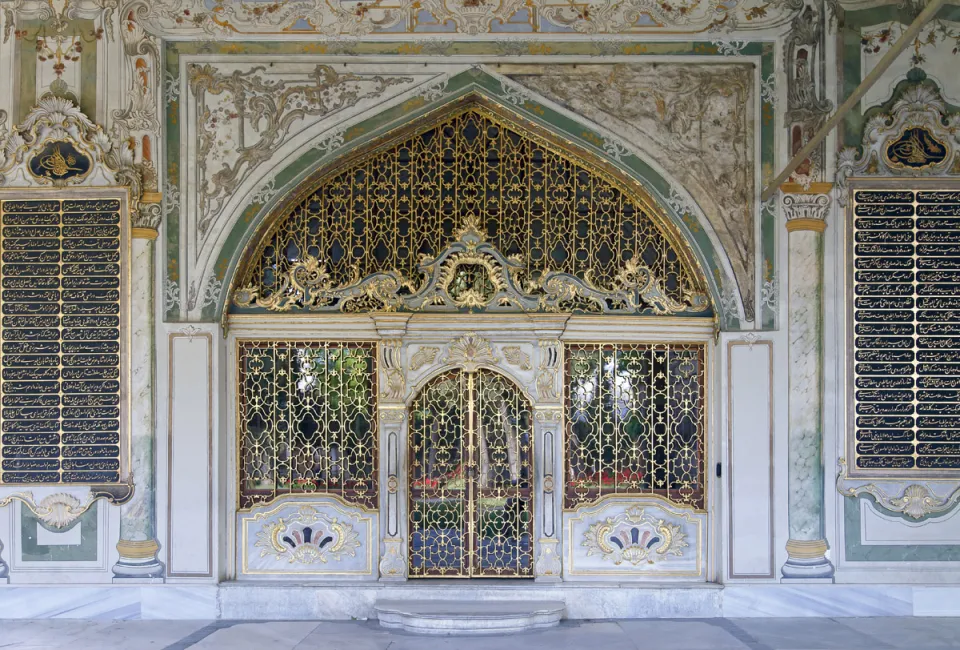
699	634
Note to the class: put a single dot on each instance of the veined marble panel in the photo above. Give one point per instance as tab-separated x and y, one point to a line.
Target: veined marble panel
816	600
308	538
877	528
634	537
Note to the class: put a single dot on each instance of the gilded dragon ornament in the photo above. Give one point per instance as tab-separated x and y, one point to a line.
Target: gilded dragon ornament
470	275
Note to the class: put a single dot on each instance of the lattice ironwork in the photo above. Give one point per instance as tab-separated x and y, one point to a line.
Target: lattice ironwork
306	415
471	477
635	422
372	235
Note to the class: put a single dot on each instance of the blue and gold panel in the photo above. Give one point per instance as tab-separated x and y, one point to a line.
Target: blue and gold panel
60	325
906	330
916	148
60	160
635	538
315	537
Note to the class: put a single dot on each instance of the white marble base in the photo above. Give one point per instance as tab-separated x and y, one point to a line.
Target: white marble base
465	617
345	601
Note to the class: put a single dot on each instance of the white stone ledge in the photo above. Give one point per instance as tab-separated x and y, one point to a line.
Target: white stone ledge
343	601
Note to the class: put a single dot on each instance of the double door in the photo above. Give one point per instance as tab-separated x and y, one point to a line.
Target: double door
471	478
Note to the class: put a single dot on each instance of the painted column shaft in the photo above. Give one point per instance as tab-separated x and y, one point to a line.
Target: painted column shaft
807	547
138	545
806	332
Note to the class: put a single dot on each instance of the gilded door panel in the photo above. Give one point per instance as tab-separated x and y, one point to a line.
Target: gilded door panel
471	478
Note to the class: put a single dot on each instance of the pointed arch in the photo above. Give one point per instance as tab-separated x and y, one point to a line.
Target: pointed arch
379	229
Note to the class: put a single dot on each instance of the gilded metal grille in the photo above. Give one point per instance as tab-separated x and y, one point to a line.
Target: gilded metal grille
471	477
307	420
405	204
635	422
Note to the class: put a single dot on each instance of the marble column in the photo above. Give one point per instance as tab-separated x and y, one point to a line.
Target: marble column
806	212
138	545
4	568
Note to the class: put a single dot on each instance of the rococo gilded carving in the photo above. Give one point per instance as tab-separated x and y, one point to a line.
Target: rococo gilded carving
469	275
59	510
425	356
919	137
914	500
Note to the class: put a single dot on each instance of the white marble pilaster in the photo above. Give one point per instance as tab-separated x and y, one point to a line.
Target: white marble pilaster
805	211
138	544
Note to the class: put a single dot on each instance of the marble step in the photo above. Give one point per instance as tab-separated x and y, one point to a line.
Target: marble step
468	616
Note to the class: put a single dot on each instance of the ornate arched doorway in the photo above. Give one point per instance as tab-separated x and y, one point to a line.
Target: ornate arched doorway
470	491
471	350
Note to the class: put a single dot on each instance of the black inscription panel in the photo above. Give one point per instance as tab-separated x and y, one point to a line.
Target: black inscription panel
60	292
906	329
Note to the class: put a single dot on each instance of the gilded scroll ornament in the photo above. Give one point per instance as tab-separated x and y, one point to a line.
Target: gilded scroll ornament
915	500
634	537
517	357
57	510
425	356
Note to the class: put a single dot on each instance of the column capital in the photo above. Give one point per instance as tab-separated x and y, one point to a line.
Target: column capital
146	221
806	211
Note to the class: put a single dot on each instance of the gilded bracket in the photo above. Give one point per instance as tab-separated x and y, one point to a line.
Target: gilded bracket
60	510
916	500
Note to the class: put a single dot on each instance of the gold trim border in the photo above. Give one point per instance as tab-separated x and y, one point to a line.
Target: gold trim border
144	233
813	188
806	224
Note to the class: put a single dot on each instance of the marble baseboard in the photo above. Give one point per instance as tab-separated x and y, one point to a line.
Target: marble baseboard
743	601
345	601
936	601
181	603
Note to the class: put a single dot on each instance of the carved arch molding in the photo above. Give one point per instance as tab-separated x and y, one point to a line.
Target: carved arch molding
469	211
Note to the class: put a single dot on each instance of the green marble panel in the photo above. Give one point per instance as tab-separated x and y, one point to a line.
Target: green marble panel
85	551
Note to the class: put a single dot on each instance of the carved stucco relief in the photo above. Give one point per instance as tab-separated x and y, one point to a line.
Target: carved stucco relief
246	118
695	120
295	18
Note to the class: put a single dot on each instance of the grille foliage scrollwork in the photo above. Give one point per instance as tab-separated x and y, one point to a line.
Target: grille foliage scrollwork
472	214
635	422
307	420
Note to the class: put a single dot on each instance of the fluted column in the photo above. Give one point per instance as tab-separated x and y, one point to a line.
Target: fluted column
806	212
138	545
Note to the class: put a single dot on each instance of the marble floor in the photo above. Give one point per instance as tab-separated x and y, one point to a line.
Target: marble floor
687	634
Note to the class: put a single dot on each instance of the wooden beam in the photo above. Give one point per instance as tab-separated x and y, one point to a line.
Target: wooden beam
905	39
